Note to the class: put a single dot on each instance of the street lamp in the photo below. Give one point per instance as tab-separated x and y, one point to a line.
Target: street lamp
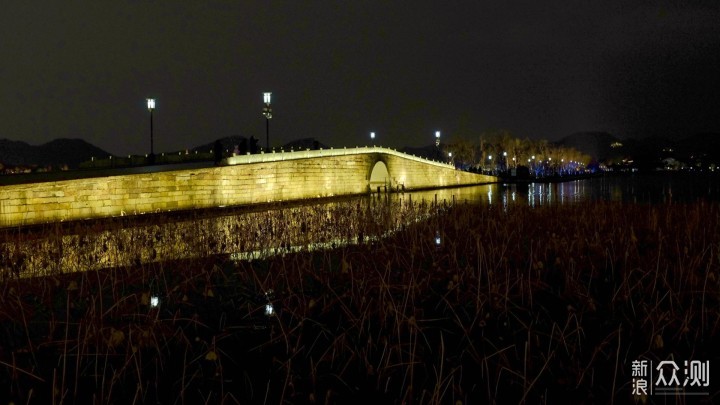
151	107
267	112
437	145
372	137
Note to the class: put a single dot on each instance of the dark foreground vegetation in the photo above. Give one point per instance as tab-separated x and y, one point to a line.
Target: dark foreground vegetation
542	305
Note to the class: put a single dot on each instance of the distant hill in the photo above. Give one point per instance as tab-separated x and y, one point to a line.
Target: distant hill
428	152
229	142
305	143
70	152
599	145
646	153
701	144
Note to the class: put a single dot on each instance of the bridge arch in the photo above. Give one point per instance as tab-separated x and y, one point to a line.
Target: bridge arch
379	177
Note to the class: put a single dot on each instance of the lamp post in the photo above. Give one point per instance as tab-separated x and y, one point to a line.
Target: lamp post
267	112
437	144
151	107
532	163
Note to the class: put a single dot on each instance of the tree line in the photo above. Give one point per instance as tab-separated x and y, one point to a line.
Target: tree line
500	151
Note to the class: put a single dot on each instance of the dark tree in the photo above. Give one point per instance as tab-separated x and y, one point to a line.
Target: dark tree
253	145
243	146
217	151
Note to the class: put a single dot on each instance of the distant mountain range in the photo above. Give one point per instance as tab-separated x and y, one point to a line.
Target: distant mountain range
56	153
72	152
602	146
647	152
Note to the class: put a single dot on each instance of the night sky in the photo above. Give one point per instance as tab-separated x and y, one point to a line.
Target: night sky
340	69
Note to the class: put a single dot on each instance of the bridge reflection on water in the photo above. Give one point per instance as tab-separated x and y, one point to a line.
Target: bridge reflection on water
244	233
250	233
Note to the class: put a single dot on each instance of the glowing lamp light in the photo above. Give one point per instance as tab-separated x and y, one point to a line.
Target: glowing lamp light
154	301
269	309
372	135
437	134
504	153
490	157
438	240
266	97
533	157
151	104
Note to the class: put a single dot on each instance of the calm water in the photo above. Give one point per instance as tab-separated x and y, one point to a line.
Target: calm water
648	188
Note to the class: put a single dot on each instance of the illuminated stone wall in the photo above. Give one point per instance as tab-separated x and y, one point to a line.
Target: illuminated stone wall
419	175
247	179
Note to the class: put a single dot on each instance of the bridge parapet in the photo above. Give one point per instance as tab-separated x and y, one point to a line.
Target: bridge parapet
319	153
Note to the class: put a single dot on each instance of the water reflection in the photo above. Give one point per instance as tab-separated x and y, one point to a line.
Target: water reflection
651	188
308	226
243	235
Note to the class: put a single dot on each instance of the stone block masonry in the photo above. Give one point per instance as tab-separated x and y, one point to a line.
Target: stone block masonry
244	180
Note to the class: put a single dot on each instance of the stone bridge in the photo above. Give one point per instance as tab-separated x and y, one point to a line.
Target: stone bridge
240	180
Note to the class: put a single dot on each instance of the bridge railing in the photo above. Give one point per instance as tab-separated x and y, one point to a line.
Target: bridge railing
307	154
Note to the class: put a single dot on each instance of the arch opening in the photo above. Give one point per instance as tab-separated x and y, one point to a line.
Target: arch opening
379	177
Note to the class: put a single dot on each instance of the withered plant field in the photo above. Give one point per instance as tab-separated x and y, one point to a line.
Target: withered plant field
515	304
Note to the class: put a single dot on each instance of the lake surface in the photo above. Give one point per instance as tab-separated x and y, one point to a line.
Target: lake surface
246	234
635	188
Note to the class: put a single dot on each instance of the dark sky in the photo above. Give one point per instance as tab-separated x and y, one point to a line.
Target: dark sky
340	69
